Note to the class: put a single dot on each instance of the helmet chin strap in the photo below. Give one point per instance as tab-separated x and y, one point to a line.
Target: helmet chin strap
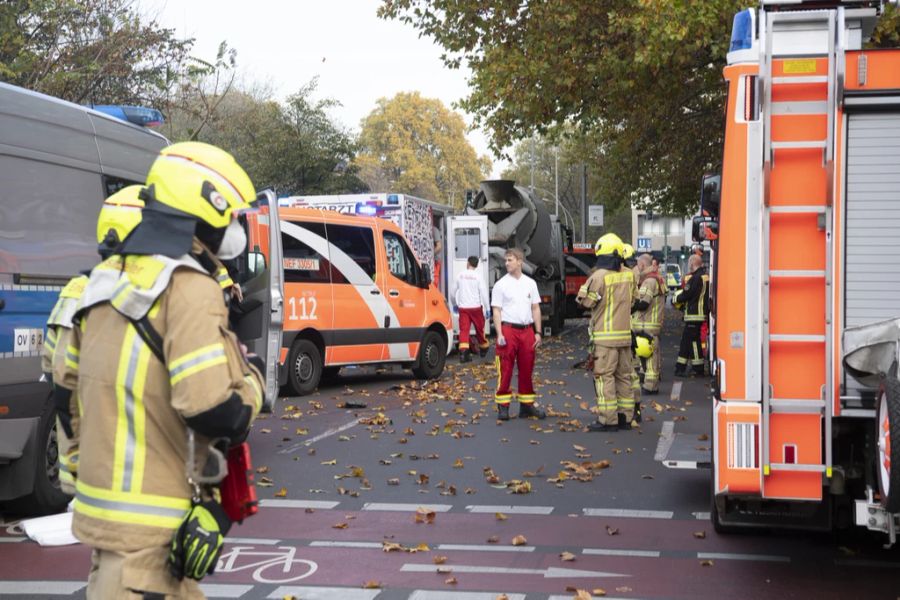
233	242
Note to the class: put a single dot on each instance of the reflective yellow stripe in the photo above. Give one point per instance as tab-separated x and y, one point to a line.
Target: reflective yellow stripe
258	398
224	279
50	339
130	507
72	357
196	361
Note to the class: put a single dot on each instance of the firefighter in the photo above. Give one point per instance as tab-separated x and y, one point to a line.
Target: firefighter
517	319
118	216
156	368
694	299
648	319
629	262
609	293
470	295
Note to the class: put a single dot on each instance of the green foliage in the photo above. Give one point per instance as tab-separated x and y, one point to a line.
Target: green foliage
887	32
415	145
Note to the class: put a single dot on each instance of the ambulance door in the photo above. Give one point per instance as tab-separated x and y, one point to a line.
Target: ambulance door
361	312
467	235
403	285
258	318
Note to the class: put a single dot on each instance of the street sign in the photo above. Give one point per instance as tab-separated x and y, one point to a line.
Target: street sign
644	243
595	215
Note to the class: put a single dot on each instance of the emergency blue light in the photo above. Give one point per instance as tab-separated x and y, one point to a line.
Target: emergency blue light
366	209
139	115
742	31
393	199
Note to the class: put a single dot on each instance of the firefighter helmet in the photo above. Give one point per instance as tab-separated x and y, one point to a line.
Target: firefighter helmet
644	347
627	251
119	215
201	181
608	245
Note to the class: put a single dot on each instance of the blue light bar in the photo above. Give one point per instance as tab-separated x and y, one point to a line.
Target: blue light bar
742	31
393	199
139	115
366	209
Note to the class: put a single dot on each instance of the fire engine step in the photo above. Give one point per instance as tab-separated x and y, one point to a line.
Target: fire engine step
797	273
800	80
797	209
779	337
796	406
799	145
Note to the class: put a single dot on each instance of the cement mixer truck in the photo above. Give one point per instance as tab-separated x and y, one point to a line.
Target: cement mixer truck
517	218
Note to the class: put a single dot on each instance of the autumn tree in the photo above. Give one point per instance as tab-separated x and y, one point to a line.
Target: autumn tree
416	145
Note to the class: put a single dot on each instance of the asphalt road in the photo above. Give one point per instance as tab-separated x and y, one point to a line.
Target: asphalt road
425	495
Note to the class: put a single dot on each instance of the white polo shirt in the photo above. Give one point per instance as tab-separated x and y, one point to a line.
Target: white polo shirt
515	297
469	290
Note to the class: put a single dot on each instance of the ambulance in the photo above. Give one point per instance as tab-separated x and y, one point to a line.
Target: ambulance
805	296
354	293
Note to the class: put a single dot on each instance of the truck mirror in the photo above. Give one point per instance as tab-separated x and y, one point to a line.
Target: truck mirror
704	229
710	195
426	277
256	263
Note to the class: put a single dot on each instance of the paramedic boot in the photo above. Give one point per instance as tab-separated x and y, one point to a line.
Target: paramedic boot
503	412
528	409
598	426
623	422
483	352
465	356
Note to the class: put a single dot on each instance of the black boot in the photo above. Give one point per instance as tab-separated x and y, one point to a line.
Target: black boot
527	410
483	352
503	412
682	372
637	412
623	423
598	426
647	392
465	356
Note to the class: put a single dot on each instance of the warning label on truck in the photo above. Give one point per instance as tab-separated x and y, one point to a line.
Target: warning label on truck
800	66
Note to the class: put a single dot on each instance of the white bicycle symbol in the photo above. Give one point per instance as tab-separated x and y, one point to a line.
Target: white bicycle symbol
266	571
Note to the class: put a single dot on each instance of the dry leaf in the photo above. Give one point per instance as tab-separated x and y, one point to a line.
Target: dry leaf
393	481
500	516
567	556
331	462
450	581
264	430
423	515
262	469
703	438
579	448
706	563
493	540
340	526
372	585
612	530
700	535
519	540
581	595
281	493
600	592
439	560
502	597
458	464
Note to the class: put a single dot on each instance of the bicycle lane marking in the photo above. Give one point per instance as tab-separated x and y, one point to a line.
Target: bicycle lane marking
271	565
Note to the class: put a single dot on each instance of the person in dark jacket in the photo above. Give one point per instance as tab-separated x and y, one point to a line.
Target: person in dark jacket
693	299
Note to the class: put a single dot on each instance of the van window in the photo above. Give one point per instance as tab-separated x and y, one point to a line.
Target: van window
356	242
400	258
302	264
467	242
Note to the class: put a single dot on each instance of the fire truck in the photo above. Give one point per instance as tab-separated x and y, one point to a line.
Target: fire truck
803	222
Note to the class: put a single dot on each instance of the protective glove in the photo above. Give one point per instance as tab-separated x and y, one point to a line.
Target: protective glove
198	541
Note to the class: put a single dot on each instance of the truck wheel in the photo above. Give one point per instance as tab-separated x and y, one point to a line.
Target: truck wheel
887	436
432	356
305	367
46	498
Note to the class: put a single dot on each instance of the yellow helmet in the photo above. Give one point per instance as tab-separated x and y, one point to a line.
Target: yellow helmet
120	214
644	347
627	251
608	245
202	181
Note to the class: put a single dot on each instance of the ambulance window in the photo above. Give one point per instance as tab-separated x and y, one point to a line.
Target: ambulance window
356	242
467	242
399	258
302	264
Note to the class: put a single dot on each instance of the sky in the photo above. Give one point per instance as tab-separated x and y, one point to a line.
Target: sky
357	57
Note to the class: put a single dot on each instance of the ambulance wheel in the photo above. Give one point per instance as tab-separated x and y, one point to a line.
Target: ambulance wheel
887	436
432	356
305	367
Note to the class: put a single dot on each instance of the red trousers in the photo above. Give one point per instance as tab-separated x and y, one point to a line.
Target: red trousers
467	318
518	351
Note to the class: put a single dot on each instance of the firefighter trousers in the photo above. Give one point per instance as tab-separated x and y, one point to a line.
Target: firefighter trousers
690	352
517	353
467	318
613	372
652	367
137	575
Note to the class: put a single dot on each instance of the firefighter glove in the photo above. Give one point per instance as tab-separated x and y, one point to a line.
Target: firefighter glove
198	541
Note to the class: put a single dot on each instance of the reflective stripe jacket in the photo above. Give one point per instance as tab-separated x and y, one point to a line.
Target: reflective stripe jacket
53	360
653	293
694	296
609	295
132	489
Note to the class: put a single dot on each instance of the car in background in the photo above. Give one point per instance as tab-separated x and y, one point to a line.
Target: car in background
673	276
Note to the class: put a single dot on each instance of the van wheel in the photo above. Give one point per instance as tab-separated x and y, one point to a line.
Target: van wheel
305	368
887	436
432	356
47	497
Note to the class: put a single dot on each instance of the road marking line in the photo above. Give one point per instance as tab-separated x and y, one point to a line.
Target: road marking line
569	597
224	590
252	541
339	544
512	510
551	572
666	439
702	516
12	540
485	548
757	557
280	503
878	564
324	593
676	391
435	595
611	552
401	507
326	434
43	588
628	513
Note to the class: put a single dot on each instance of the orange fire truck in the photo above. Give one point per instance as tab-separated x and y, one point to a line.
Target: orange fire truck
804	222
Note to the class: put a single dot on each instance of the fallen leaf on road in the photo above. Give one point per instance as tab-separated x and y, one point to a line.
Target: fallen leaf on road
598	592
706	563
623	589
372	585
450	581
309	511
423	479
500	516
534	442
393	481
502	597
264	430
703	438
493	540
567	556
579	448
331	462
262	470
646	476
424	515
612	530
439	560
458	464
302	431
581	595
340	526
700	535
281	493
519	540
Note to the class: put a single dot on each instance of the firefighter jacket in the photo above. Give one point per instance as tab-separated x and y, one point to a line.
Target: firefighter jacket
694	296
609	295
132	489
652	292
53	358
